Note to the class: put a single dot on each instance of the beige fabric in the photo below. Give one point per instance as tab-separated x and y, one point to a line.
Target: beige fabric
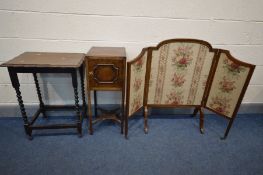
179	72
137	83
227	85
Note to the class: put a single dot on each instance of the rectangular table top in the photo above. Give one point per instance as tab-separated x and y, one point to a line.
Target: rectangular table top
107	52
46	59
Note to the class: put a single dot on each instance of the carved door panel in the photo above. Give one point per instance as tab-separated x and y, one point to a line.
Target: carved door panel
105	73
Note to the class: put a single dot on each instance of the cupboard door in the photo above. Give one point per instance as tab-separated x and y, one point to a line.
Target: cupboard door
105	73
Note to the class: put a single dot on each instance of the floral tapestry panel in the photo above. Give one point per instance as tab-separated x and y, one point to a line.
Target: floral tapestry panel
227	85
137	83
178	72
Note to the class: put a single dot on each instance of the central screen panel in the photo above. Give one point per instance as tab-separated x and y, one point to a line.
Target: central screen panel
179	73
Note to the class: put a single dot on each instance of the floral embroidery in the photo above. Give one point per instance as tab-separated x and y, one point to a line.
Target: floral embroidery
232	67
176	65
225	93
226	85
137	103
138	69
137	84
174	98
183	56
138	65
220	104
178	80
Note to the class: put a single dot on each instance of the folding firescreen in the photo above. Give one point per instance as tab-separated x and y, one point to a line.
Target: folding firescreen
186	73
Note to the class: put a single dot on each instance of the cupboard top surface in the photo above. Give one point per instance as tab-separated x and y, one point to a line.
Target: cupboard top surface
46	59
107	52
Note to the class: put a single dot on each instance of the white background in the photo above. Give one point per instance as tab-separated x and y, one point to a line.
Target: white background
76	25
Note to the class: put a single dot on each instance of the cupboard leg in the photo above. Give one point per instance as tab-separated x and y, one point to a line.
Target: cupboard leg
90	113
95	104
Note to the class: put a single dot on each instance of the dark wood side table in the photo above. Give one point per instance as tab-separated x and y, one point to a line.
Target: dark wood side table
41	62
106	68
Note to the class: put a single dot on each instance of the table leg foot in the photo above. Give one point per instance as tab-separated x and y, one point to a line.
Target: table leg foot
80	135
44	114
79	128
29	137
28	132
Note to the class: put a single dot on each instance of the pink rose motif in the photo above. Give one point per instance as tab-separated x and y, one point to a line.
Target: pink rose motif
174	98
183	56
183	61
227	85
233	68
136	104
138	65
220	104
178	80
